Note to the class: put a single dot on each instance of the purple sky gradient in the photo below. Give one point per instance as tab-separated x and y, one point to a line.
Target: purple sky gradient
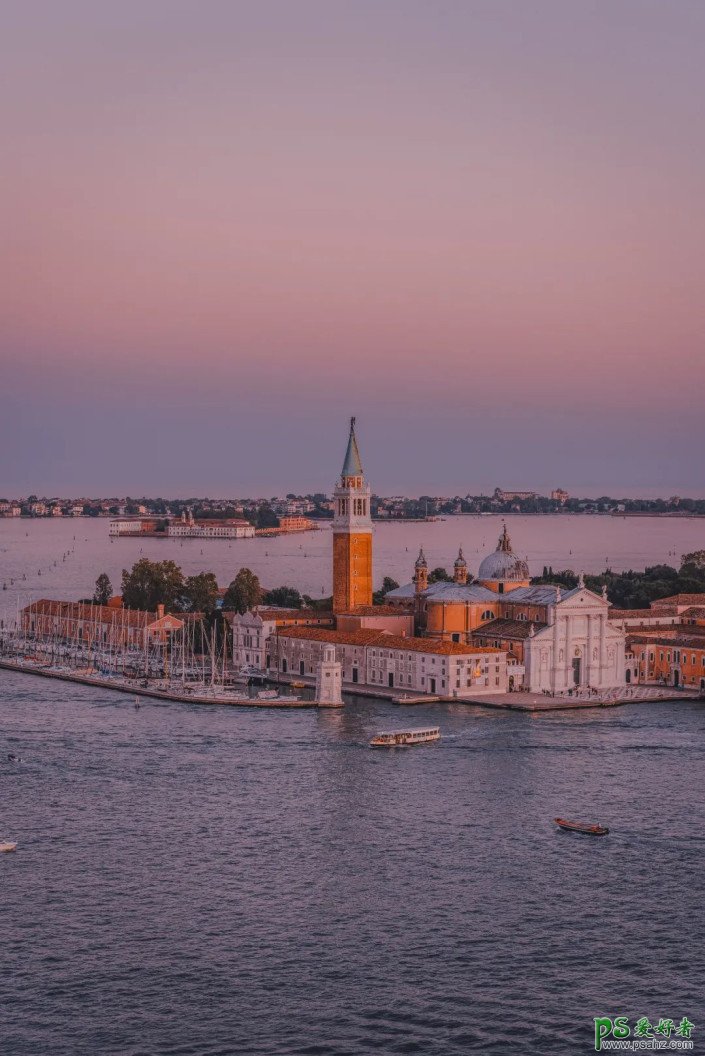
227	226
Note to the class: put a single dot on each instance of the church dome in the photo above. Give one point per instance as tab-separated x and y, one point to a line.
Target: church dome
503	563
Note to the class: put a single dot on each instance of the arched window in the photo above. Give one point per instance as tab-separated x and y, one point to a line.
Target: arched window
487	615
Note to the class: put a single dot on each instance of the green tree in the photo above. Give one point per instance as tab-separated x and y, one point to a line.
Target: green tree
244	593
565	578
286	597
266	517
694	561
152	583
387	584
103	589
439	575
201	593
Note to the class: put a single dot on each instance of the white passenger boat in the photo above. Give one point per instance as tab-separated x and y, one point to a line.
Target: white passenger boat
406	738
7	845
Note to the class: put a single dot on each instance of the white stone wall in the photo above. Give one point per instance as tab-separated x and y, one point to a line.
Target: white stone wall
579	647
475	674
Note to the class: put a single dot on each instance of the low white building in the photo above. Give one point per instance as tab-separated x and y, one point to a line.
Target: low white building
253	632
125	526
386	662
211	530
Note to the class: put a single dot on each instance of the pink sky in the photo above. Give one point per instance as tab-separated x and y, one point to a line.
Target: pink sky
227	226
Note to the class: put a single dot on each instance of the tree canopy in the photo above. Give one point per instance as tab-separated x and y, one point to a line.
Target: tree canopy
103	589
244	593
152	583
286	597
200	593
439	575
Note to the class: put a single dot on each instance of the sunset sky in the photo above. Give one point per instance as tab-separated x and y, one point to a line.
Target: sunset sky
227	226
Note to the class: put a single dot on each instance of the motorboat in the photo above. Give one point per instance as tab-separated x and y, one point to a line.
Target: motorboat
579	826
7	845
406	738
12	758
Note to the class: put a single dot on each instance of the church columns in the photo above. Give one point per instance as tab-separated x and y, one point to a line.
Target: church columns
588	657
554	664
602	648
566	655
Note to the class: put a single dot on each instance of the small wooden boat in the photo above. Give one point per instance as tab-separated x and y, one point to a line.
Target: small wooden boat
7	846
12	758
405	738
579	826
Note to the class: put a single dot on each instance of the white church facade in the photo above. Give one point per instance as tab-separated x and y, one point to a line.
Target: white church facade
579	647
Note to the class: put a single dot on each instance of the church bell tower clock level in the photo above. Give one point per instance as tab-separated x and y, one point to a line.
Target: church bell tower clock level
352	534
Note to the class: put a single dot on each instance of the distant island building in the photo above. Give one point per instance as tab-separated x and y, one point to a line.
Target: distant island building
184	528
228	528
513	496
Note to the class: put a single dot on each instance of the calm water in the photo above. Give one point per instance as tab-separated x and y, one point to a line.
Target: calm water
31	546
202	881
210	881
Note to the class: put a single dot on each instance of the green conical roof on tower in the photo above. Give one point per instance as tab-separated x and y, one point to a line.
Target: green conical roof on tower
352	466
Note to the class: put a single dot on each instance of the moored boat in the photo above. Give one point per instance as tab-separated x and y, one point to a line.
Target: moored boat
405	738
579	826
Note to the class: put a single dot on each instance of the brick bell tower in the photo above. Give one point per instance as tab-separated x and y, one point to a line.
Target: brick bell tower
352	534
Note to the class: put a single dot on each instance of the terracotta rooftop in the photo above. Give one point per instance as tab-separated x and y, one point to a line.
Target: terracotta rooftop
680	599
378	610
384	641
687	639
78	610
516	629
633	614
293	614
695	612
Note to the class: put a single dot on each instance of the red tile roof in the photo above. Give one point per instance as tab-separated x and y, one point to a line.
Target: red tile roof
687	639
367	637
680	599
515	629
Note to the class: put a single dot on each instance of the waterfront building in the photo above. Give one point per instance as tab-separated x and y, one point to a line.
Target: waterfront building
296	523
253	632
559	495
100	626
232	528
378	660
352	533
554	638
131	525
669	658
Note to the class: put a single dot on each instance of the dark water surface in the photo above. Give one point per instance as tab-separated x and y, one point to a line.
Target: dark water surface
213	881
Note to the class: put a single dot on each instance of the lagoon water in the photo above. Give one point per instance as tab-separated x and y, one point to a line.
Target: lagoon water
590	543
202	881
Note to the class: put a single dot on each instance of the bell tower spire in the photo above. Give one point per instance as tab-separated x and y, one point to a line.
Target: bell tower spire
352	533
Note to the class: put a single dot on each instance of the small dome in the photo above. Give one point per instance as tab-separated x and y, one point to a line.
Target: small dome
503	563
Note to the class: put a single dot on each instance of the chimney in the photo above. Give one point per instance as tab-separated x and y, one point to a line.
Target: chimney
160	612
